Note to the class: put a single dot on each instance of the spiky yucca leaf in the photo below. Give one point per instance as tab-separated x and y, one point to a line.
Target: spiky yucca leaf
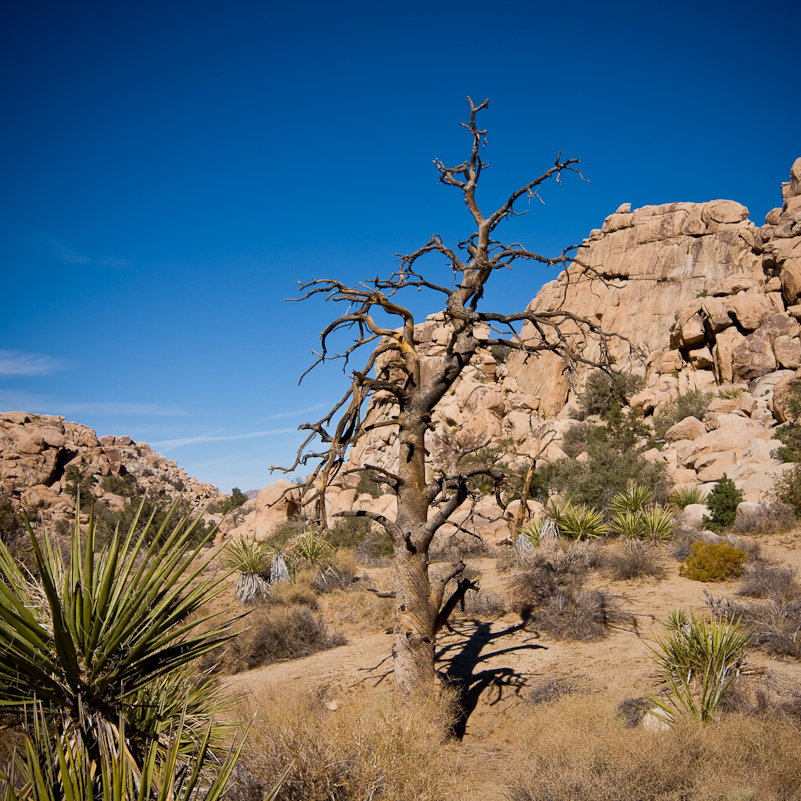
634	499
628	524
699	662
252	560
310	546
659	524
582	522
557	511
61	770
97	637
684	496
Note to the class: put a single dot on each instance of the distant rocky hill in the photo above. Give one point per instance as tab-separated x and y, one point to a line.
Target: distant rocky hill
40	454
701	297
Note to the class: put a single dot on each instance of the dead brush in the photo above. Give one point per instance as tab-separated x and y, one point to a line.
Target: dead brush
633	560
274	633
351	749
763	580
769	517
577	750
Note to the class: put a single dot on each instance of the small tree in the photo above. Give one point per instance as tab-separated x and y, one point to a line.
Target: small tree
723	502
392	373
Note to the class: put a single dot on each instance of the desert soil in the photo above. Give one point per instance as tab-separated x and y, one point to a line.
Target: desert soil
501	663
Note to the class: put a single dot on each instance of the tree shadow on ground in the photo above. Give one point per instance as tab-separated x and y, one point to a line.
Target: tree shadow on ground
463	657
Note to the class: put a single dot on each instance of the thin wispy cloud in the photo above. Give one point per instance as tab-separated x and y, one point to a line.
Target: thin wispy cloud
170	444
66	253
121	408
296	412
16	362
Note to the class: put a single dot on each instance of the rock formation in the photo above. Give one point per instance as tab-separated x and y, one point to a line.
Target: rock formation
37	450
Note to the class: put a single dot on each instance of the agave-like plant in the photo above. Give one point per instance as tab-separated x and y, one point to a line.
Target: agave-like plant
557	512
94	638
62	770
635	498
659	523
583	522
252	561
699	662
684	496
310	546
628	524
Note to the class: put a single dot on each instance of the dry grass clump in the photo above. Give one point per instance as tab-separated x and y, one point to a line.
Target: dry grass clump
358	610
772	517
575	750
763	580
547	591
275	632
634	560
357	749
484	604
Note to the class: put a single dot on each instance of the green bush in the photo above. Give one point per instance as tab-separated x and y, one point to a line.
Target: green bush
237	499
124	485
682	498
787	489
605	393
76	481
708	562
723	502
692	404
11	525
614	449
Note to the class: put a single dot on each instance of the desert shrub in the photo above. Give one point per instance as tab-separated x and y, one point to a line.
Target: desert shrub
769	517
685	496
762	580
252	562
369	486
614	450
576	438
276	632
729	393
635	560
485	604
774	624
722	502
369	543
605	392
708	562
577	750
75	482
692	404
699	662
546	692
681	543
225	505
11	525
124	485
547	591
787	489
368	748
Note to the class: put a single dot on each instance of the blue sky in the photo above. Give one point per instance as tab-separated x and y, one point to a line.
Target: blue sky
170	170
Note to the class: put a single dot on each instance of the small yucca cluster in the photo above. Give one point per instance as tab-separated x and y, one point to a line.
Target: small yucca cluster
636	518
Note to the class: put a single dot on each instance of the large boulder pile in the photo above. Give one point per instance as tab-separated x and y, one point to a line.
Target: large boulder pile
36	451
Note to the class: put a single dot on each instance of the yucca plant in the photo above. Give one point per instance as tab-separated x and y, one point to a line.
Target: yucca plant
635	498
684	496
310	546
100	637
63	771
535	531
659	524
730	393
699	662
630	525
583	522
252	561
557	511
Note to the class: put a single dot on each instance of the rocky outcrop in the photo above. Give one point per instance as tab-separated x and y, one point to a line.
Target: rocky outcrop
36	452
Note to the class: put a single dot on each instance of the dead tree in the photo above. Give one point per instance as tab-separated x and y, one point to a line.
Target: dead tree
425	506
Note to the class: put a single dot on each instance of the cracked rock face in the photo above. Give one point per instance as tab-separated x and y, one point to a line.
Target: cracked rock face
36	450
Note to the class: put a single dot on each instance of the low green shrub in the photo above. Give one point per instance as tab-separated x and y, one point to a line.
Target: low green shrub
605	392
722	502
692	404
685	496
787	489
713	562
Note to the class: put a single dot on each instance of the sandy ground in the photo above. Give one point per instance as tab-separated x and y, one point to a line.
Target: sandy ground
499	662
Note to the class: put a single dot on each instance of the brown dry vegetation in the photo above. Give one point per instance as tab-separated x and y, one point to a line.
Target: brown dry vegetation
534	711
